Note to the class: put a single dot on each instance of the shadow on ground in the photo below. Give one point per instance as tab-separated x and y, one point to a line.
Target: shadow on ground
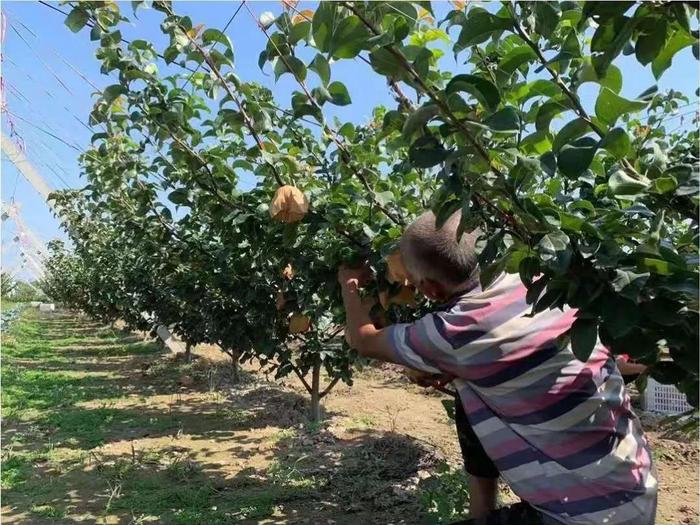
98	428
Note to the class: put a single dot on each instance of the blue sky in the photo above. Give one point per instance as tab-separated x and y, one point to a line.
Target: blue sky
45	95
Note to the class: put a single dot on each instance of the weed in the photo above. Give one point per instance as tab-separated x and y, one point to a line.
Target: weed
290	475
48	511
282	435
14	472
362	421
182	469
445	495
393	415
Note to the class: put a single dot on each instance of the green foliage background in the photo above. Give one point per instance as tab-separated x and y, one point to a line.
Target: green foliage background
600	215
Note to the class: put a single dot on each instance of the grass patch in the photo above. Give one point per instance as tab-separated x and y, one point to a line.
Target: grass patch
48	511
362	421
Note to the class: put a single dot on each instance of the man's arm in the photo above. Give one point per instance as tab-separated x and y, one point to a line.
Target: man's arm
359	329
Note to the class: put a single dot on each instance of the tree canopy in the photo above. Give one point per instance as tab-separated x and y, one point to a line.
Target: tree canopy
595	209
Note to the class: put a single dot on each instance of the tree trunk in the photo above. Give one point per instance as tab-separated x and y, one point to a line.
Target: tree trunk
235	368
188	352
315	415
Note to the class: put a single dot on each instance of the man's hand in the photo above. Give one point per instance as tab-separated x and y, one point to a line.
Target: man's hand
427	380
354	278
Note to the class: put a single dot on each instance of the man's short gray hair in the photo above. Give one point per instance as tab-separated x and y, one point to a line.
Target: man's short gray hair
429	252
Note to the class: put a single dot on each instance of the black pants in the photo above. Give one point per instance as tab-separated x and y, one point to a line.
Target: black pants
479	464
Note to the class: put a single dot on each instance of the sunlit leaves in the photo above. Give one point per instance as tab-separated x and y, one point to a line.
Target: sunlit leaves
77	19
678	41
320	65
479	26
339	94
289	64
555	251
111	93
338	35
211	35
624	186
612	78
595	208
617	143
610	106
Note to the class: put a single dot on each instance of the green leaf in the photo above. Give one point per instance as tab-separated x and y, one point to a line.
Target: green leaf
622	185
584	335
179	196
529	268
574	158
657	266
325	17
609	40
384	63
617	143
665	184
300	31
480	88
571	131
320	65
546	17
609	106
111	93
612	78
619	315
628	283
349	38
524	171
214	35
77	19
339	94
515	58
555	251
549	110
537	88
427	152
96	33
321	95
650	40
678	41
506	119
488	274
418	119
478	26
290	64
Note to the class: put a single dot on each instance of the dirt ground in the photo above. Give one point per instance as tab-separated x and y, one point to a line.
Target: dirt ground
102	428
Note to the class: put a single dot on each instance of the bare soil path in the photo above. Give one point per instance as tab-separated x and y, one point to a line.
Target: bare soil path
100	427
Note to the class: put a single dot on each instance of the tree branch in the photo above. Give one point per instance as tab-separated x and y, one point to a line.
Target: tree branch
444	108
328	388
301	377
246	118
578	107
345	154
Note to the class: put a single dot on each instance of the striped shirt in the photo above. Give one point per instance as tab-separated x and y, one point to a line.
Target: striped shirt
561	432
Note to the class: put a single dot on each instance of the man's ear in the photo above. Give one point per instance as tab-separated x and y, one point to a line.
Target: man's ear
433	290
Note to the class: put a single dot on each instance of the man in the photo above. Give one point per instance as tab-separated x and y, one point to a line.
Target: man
559	431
